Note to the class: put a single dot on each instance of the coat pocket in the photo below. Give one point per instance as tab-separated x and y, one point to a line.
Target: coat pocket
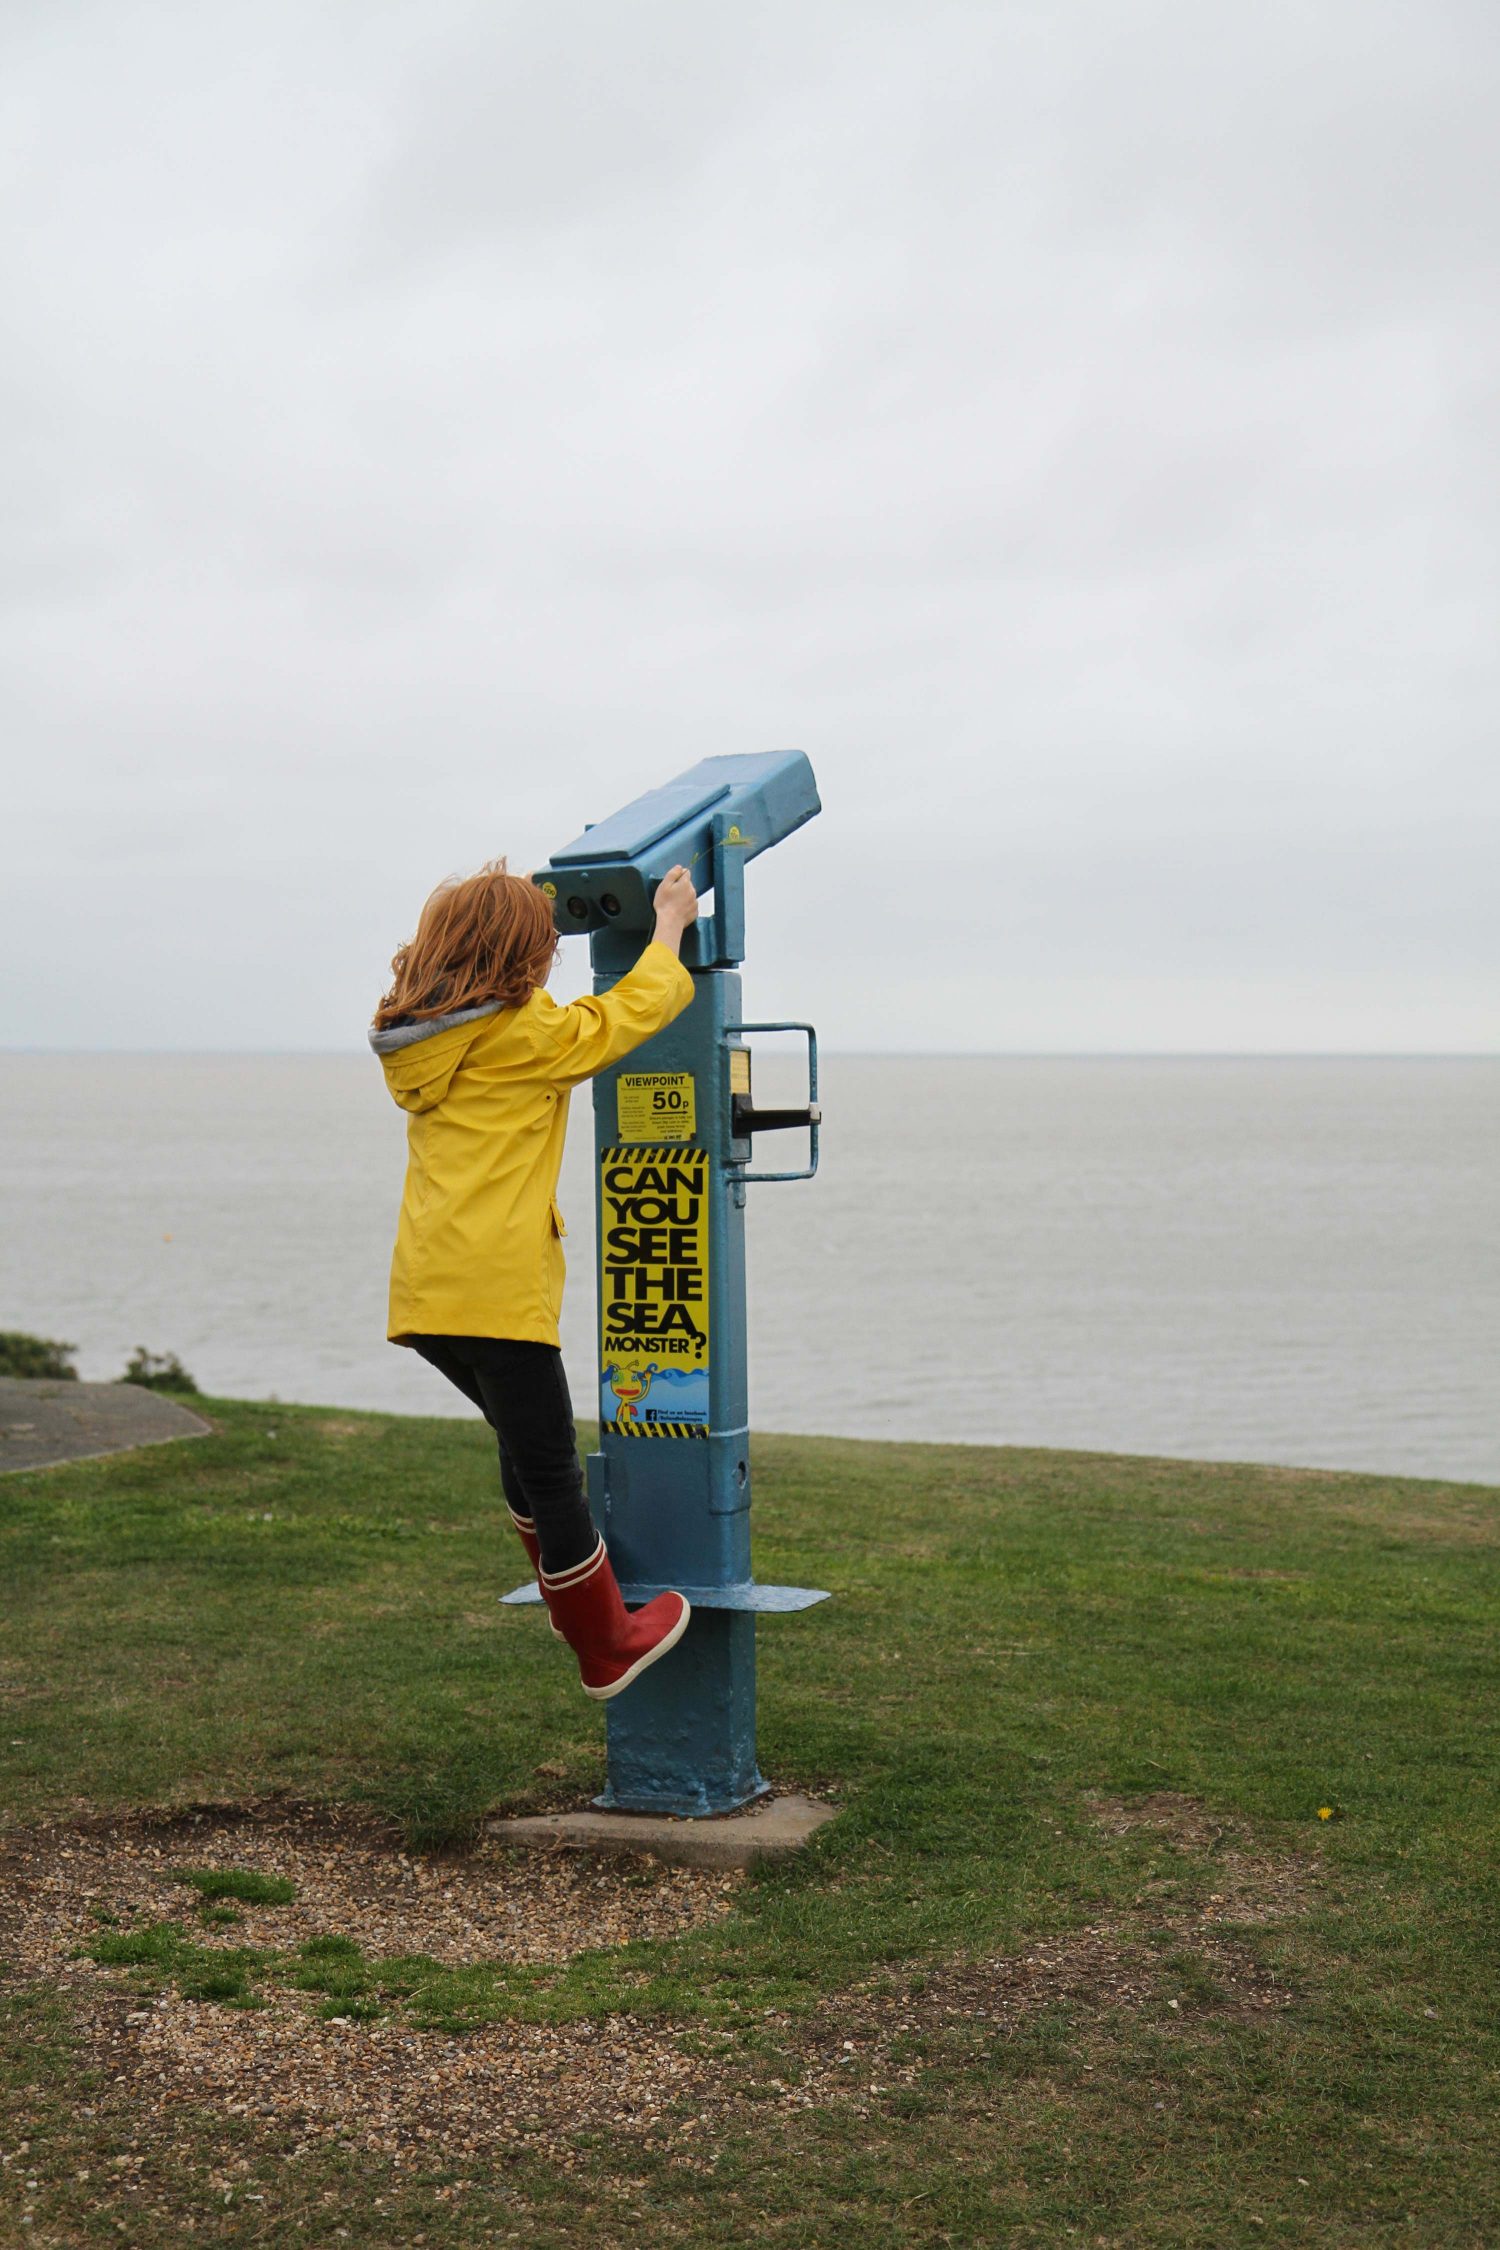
554	1262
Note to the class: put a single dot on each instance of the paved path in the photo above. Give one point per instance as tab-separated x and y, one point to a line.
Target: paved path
45	1422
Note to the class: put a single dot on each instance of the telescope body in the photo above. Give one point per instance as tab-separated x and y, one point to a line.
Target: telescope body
607	877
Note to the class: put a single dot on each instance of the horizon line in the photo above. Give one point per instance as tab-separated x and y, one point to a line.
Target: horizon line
852	1054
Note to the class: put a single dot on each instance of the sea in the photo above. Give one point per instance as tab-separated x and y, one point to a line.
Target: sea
1293	1261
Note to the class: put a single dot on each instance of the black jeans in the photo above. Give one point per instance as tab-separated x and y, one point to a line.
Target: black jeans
522	1392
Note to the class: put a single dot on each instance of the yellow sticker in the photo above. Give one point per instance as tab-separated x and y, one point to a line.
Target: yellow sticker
653	1291
657	1105
549	890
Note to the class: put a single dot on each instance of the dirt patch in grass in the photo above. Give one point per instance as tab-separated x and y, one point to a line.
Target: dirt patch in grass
384	2086
1171	1962
349	1877
1248	1883
407	2095
1179	1954
876	2045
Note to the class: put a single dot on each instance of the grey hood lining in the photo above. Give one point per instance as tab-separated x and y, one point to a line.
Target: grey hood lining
410	1034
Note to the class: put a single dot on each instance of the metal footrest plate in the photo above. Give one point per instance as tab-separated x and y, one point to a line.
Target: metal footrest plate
746	1595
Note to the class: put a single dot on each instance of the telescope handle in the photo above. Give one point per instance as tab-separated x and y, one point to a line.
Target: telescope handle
746	1119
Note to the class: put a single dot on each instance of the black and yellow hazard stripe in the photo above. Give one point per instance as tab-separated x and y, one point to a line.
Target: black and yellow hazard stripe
655	1152
656	1429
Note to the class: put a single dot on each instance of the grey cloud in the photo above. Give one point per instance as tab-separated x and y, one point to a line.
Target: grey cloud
1075	426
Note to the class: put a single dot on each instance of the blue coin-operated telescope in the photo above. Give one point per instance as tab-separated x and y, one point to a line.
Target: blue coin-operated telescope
673	1126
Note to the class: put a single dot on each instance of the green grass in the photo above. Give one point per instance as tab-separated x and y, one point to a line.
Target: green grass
305	1604
163	1957
164	1954
244	1883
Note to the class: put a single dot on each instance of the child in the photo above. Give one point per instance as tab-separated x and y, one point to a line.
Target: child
482	1060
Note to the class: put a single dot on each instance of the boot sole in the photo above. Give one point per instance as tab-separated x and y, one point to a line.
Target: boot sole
642	1663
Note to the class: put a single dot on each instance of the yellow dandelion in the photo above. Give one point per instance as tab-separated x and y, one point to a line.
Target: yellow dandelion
1325	1812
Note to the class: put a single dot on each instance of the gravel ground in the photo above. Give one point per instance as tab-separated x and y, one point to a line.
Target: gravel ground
382	2085
412	2096
351	1879
409	2096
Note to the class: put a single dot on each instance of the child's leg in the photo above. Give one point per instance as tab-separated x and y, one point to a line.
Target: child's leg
511	1486
439	1353
524	1394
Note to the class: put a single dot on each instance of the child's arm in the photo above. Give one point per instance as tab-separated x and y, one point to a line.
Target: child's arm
581	1040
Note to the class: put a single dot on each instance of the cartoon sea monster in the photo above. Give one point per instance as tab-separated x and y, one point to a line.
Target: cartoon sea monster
630	1386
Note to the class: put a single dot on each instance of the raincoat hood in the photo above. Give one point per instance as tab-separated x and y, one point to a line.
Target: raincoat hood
419	1059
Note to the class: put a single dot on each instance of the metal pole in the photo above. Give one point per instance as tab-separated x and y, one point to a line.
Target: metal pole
670	1486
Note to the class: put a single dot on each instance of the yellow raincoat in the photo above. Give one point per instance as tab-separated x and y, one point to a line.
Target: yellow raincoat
478	1247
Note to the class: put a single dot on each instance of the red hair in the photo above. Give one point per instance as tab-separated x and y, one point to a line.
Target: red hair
484	940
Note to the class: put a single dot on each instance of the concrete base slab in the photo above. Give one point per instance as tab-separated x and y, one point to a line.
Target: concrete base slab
765	1830
43	1422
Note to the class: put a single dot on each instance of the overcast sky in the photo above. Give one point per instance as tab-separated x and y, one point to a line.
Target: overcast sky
1074	425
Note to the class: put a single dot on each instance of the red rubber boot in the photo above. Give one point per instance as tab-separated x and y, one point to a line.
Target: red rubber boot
613	1644
526	1532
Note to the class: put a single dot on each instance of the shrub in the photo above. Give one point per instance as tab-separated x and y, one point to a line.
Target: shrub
32	1356
157	1371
